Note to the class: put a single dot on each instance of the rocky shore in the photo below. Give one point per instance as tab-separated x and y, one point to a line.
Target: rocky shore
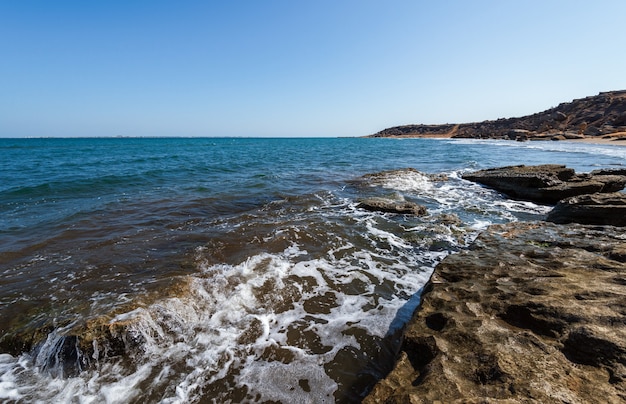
599	117
531	312
548	183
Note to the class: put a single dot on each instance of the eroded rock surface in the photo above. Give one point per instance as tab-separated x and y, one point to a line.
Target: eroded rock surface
379	204
547	183
607	209
403	175
532	312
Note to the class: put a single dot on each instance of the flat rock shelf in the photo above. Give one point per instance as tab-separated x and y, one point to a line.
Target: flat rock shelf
531	312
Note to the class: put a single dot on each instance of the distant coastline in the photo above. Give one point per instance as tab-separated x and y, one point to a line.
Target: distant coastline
611	141
599	119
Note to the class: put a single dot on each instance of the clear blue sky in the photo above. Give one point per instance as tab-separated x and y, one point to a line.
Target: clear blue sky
295	68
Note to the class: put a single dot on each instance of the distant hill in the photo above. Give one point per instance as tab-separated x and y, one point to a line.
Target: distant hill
602	115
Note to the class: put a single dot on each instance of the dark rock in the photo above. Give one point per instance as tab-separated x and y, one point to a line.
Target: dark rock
573	136
559	116
518	134
532	312
546	183
66	361
620	120
611	171
542	136
377	204
592	131
449	218
418	130
609	209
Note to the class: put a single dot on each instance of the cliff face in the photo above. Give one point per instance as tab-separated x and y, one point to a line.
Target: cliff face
532	312
600	115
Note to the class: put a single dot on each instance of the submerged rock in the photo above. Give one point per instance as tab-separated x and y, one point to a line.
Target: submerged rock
407	176
64	348
378	204
532	312
547	183
607	209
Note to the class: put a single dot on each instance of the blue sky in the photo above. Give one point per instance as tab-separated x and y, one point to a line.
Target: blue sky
291	68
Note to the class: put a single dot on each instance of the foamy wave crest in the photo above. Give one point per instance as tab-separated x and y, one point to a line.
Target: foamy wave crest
448	193
282	325
299	301
572	153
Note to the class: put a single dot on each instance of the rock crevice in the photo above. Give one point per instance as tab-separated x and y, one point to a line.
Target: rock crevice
547	183
525	315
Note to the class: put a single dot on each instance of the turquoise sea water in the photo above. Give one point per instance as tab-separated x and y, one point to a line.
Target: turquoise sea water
230	270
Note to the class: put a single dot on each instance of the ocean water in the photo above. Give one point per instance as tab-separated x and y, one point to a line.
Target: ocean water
177	270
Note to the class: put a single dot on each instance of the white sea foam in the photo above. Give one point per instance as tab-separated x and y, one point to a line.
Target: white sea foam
408	180
267	327
9	368
455	195
321	277
607	150
268	324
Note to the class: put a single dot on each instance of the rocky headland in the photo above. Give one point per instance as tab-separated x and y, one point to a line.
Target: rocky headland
602	116
531	311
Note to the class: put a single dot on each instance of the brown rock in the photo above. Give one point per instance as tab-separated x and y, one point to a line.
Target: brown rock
607	209
532	312
573	136
518	134
612	171
591	115
377	204
546	183
382	177
560	116
592	131
542	136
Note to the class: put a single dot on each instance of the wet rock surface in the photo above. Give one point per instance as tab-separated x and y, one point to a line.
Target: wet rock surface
383	177
609	209
532	312
547	183
379	204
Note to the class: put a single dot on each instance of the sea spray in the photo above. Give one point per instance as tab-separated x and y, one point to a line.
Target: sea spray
195	271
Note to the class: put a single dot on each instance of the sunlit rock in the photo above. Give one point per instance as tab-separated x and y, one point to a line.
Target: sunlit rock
607	209
547	183
531	312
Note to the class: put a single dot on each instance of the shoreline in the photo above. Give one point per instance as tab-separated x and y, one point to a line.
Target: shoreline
612	142
543	325
537	327
621	141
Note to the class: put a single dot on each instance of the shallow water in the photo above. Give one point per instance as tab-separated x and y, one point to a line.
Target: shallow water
230	270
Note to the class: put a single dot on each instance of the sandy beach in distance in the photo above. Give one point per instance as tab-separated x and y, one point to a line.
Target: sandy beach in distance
604	140
595	140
